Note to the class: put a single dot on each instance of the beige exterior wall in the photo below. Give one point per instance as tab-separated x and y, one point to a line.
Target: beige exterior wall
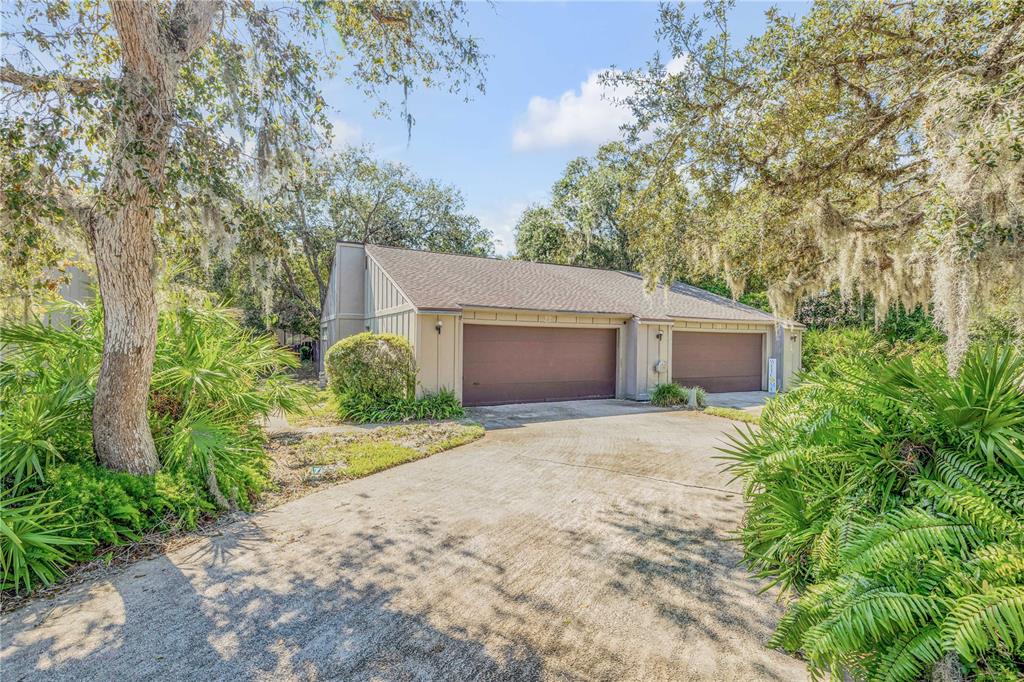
792	356
648	358
343	313
438	353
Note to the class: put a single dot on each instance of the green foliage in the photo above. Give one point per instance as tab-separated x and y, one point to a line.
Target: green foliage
362	408
34	544
733	413
108	508
668	395
889	497
671	394
823	346
213	383
253	83
831	151
581	225
377	367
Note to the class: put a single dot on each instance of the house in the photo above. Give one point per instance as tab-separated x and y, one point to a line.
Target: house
503	331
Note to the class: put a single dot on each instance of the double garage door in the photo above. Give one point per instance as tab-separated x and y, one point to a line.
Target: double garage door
509	364
512	364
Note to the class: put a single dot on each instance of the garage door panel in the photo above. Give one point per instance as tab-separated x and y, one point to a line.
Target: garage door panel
510	364
719	362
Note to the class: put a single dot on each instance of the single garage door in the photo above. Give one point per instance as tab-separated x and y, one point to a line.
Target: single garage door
718	362
506	364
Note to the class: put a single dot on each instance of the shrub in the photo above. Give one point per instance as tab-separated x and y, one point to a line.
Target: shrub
213	383
108	508
889	498
822	346
364	409
378	366
670	395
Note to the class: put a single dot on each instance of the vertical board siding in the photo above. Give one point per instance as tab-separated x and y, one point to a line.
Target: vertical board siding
437	355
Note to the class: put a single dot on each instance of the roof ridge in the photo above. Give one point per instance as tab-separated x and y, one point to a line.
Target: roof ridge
497	259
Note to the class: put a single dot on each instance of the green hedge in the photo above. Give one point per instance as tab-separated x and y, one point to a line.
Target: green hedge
378	367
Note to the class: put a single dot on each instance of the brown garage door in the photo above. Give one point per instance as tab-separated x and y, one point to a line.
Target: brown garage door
718	362
505	364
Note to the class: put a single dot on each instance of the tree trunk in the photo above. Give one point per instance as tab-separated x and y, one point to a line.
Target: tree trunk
153	49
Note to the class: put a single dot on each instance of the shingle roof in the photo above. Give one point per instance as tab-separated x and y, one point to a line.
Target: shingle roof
442	281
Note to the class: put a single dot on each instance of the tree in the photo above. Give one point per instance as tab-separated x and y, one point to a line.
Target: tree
353	197
871	145
541	235
582	226
145	106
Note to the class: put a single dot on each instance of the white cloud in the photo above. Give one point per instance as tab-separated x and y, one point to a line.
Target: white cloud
344	134
591	115
501	221
587	116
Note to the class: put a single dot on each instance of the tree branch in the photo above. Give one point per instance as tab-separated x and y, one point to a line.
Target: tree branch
45	82
191	23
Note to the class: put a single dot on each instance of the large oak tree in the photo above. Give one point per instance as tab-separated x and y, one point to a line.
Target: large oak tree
119	113
877	146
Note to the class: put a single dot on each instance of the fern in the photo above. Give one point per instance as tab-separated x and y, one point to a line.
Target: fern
877	614
910	533
908	657
990	620
890	497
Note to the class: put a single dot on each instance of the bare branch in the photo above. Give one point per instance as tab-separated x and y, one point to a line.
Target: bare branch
48	82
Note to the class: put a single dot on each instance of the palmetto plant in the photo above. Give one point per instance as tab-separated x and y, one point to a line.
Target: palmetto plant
888	499
214	381
33	547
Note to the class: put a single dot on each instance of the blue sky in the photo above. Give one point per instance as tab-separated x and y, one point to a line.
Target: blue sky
542	107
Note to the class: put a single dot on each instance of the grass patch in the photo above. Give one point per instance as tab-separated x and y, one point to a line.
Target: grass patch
305	462
734	414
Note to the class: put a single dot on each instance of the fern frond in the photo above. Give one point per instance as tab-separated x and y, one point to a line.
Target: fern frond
1003	562
908	657
972	503
877	615
909	533
989	620
810	609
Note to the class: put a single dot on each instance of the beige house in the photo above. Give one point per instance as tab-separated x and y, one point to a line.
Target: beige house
502	331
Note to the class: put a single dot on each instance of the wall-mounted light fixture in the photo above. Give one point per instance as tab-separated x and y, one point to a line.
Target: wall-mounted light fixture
659	335
438	326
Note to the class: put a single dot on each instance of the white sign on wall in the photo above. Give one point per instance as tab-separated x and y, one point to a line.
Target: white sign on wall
773	379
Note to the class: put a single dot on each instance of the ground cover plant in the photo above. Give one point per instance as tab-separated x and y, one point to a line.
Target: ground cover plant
303	461
214	382
886	498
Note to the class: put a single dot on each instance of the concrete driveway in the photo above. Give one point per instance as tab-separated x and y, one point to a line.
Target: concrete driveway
579	541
